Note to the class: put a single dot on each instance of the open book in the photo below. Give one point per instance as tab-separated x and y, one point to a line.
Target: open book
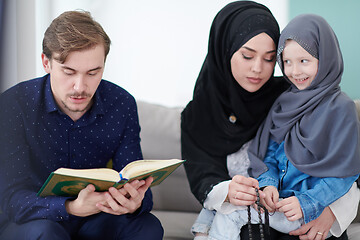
69	182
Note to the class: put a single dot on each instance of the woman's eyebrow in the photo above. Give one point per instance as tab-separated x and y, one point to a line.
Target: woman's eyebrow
271	51
250	49
253	50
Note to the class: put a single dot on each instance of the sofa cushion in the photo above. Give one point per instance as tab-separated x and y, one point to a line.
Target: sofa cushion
354	231
177	225
174	194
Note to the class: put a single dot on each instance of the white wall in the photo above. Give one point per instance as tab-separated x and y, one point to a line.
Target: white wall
158	46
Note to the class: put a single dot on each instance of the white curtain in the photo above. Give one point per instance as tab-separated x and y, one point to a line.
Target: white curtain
2	12
18	45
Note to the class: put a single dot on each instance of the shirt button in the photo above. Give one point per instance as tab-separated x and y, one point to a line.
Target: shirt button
283	170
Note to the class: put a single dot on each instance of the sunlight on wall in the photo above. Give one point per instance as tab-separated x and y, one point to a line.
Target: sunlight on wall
158	46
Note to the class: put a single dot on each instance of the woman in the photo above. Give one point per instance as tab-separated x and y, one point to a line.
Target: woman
233	94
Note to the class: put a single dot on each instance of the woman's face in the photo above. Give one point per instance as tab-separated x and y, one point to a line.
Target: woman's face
253	64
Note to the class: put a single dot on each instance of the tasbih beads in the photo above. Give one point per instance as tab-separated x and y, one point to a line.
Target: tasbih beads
261	225
249	223
259	212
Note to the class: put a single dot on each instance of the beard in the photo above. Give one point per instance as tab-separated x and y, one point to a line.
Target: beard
77	110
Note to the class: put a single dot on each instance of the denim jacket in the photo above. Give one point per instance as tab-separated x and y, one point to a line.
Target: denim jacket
313	193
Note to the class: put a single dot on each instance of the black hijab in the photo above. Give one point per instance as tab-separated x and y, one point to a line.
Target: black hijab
217	95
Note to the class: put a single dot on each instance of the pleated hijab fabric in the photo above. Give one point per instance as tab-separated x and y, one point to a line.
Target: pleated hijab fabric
318	124
217	95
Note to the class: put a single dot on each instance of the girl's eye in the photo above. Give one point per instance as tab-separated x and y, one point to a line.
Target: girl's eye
304	61
246	57
92	73
286	62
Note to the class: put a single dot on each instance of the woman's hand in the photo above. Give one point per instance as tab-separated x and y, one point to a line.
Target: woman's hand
317	229
242	191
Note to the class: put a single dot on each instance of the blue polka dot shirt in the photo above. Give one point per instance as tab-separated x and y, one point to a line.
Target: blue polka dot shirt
37	138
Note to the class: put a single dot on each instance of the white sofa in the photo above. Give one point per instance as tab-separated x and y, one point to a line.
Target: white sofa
174	203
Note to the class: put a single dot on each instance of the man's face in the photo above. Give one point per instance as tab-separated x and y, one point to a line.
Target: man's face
74	82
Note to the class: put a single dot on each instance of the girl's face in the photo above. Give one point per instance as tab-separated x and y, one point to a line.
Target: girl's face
299	65
253	64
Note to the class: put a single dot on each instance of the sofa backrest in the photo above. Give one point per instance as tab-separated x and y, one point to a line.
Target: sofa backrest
160	139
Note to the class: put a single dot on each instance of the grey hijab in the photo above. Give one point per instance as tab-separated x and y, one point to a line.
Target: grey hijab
318	124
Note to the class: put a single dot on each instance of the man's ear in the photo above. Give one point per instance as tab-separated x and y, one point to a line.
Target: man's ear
45	62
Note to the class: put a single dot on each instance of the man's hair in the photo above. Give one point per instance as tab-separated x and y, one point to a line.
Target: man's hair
73	31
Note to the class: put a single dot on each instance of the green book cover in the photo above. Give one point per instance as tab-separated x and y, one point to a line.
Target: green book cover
69	182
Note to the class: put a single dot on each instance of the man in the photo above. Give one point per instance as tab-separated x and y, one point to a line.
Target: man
71	118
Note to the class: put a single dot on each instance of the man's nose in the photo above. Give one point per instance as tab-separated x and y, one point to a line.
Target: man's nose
80	84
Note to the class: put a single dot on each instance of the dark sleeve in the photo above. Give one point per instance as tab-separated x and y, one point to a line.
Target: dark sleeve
203	170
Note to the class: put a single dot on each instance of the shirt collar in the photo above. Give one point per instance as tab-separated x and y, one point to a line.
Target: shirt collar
50	104
98	105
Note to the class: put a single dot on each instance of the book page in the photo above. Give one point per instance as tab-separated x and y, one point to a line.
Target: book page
105	174
144	166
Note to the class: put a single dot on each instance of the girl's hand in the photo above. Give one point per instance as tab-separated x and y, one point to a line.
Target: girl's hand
291	208
271	198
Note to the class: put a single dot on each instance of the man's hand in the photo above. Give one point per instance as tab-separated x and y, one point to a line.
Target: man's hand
291	208
127	199
271	198
85	204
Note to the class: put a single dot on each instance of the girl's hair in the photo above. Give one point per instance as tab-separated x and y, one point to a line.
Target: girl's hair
73	31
